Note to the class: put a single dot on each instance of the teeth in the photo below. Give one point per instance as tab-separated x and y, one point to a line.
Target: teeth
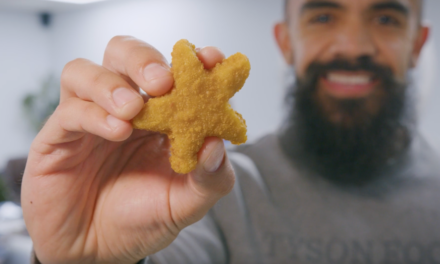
348	79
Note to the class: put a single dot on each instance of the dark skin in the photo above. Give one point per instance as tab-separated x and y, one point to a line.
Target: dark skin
95	191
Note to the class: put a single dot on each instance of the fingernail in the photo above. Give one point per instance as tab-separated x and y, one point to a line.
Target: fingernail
113	122
155	71
215	159
123	96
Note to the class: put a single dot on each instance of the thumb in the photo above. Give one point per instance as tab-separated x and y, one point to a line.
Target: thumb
214	174
211	180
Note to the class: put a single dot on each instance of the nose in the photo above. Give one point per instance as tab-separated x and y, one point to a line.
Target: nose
353	41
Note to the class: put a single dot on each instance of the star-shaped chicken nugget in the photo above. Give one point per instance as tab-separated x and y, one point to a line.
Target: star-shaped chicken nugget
197	106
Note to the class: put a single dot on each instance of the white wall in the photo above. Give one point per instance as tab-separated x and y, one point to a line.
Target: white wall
24	62
429	120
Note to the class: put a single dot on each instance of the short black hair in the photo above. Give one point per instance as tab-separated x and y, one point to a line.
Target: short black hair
421	5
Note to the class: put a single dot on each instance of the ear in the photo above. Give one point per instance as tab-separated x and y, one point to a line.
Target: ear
282	37
420	41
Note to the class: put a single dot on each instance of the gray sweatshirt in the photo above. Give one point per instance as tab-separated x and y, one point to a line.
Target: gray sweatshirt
278	213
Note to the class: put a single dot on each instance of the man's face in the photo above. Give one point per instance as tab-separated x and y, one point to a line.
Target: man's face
351	59
387	32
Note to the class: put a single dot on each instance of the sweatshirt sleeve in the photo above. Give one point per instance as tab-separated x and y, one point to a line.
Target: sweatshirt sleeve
199	243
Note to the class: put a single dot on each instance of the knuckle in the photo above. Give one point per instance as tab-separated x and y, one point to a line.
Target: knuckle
119	38
102	83
115	42
61	111
69	71
110	45
138	62
143	54
63	107
51	117
117	45
89	108
98	79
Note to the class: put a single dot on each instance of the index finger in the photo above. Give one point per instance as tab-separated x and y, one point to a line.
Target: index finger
140	62
145	66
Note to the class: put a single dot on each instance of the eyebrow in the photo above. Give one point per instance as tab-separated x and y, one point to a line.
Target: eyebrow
320	4
391	5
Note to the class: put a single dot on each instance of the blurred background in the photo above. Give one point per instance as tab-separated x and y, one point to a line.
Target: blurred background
38	37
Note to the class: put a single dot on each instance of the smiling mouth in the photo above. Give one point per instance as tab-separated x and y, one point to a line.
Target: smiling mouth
348	85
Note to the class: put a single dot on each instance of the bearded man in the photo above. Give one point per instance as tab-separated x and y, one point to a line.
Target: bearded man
346	180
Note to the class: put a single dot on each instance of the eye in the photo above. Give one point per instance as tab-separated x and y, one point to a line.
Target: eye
387	20
322	19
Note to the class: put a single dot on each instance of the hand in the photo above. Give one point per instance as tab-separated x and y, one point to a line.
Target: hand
94	190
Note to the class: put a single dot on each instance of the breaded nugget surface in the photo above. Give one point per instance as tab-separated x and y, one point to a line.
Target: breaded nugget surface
197	106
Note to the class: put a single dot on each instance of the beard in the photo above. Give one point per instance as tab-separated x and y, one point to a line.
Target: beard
362	143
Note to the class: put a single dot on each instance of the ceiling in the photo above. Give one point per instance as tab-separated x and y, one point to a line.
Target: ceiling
39	6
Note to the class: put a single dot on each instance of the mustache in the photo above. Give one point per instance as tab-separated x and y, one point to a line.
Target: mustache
378	71
353	153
